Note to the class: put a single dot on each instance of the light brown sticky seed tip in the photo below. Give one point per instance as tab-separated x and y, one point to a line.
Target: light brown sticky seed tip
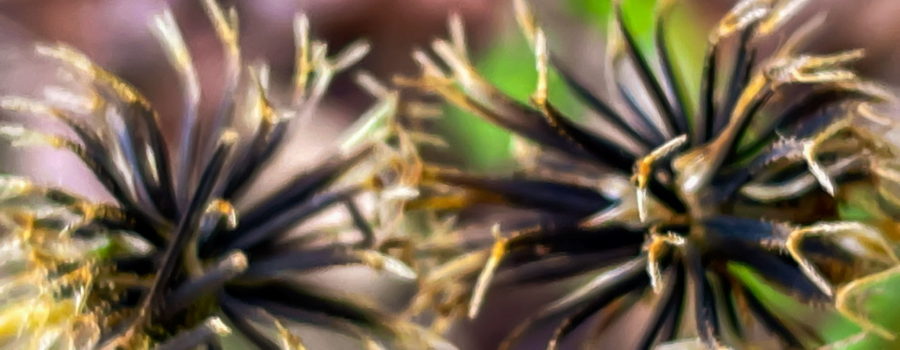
216	325
229	136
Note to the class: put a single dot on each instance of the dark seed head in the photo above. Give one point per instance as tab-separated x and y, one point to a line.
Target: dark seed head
680	198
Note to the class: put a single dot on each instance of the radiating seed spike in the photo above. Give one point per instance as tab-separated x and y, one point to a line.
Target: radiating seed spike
371	84
541	57
378	117
644	170
655	248
461	70
302	64
211	328
350	55
223	208
172	41
647	76
741	15
795	187
816	168
380	261
208	282
498	251
167	33
80	62
457	34
525	19
864	110
783	12
794	247
428	66
226	28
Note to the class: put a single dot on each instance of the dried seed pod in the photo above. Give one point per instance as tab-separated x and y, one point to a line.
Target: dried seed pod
182	252
752	179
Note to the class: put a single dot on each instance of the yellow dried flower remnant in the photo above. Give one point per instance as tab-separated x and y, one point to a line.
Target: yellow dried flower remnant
47	269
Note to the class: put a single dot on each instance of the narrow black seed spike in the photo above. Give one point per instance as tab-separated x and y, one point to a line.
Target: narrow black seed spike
140	265
165	189
739	173
279	296
570	324
799	111
219	124
752	109
261	149
110	178
288	262
560	267
731	230
642	66
605	151
675	85
712	305
599	106
553	196
665	307
770	321
609	317
155	179
740	75
726	290
706	116
186	340
301	188
529	123
186	153
730	142
238	314
267	138
673	323
247	237
784	275
656	137
214	344
563	238
212	280
188	224
368	235
666	195
704	311
605	287
101	159
129	145
144	132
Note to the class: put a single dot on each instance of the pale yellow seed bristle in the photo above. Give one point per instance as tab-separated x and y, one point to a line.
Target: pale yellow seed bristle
217	326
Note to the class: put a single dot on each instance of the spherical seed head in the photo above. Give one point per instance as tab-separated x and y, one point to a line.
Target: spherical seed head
735	180
182	246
